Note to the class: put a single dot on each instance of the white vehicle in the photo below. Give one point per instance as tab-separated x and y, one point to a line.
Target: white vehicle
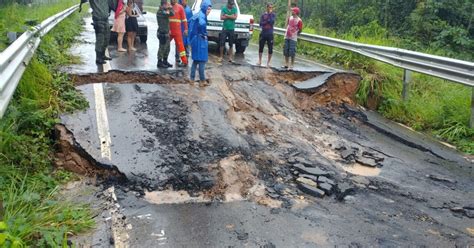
243	24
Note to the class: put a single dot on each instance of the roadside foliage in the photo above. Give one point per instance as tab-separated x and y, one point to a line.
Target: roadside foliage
444	28
31	211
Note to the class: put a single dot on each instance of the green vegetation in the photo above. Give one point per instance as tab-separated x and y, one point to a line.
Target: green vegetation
31	214
15	17
445	28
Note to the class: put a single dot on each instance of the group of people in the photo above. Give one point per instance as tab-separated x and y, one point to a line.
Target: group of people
176	22
294	26
126	21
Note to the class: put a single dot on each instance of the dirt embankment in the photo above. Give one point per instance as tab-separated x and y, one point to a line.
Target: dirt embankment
71	156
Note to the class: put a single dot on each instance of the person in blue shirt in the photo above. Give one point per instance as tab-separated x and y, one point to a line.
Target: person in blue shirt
267	20
199	43
189	13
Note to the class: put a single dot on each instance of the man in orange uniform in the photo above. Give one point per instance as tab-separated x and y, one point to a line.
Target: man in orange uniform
175	30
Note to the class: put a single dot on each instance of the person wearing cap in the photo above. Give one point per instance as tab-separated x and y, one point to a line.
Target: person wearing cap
228	15
293	29
267	20
163	33
199	42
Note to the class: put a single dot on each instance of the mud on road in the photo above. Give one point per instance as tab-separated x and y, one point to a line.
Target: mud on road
251	135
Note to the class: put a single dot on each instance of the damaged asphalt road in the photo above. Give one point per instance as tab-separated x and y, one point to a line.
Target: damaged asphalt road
252	161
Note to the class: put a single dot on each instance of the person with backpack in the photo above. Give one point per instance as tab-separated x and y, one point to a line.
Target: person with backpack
267	20
199	42
100	18
294	26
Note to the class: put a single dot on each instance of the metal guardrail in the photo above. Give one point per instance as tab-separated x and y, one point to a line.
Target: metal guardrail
15	58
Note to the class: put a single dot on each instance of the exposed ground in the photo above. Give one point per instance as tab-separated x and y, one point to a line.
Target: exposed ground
252	136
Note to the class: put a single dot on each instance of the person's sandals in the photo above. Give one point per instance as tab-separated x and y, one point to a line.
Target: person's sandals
203	83
284	67
121	50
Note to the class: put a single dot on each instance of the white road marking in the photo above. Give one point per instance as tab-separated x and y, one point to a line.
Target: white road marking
102	122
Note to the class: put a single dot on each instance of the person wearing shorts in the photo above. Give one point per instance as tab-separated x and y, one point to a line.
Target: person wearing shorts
131	25
294	27
267	20
228	15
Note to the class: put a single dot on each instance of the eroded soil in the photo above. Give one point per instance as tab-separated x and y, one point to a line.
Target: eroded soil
251	135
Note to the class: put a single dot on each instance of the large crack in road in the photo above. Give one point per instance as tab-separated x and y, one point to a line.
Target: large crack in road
252	135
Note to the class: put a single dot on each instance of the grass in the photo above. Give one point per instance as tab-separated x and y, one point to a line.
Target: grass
435	106
31	214
16	18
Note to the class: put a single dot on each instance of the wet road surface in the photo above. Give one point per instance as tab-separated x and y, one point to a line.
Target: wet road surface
233	147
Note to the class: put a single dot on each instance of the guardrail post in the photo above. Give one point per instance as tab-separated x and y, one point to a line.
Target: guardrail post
471	122
406	83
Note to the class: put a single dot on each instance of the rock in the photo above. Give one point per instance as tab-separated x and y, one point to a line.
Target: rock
360	180
312	171
326	187
343	190
292	160
372	156
268	245
302	160
457	209
366	161
469	213
440	178
275	211
311	190
323	179
270	190
339	146
306	181
273	195
242	235
314	178
279	188
347	154
469	207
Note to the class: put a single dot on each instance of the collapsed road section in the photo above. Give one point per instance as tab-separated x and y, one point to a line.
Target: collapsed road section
181	132
276	138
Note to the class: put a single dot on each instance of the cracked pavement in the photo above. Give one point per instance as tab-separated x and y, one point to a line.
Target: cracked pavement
252	161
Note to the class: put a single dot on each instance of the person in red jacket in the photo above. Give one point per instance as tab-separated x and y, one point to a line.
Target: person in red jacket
175	30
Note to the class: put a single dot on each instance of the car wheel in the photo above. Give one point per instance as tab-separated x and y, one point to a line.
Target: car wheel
239	48
143	38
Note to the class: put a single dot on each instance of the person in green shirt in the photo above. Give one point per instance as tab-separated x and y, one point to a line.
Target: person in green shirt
228	15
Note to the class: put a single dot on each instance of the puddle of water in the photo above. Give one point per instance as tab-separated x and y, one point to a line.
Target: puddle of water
172	197
358	169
